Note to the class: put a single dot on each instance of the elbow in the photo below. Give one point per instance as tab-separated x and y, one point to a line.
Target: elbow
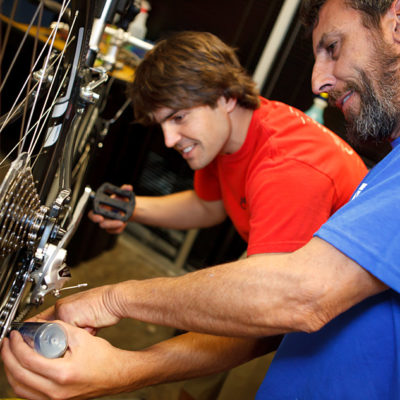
314	305
312	317
212	220
307	317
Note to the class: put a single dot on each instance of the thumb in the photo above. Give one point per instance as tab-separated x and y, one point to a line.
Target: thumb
127	187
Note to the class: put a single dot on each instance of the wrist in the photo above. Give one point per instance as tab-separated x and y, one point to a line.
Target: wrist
118	298
138	370
145	368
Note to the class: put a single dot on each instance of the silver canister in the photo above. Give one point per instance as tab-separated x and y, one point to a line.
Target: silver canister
49	339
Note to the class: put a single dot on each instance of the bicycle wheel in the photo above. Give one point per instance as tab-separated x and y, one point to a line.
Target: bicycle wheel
33	223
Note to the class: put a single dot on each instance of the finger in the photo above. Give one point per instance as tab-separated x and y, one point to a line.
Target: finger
127	187
112	224
69	328
115	231
24	382
32	369
123	187
23	391
75	332
97	218
92	331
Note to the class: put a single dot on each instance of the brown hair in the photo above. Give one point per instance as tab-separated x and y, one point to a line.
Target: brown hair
186	70
372	11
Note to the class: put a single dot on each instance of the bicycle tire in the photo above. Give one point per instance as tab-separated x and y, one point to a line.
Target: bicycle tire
47	162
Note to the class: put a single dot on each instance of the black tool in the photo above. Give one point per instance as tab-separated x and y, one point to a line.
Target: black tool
112	202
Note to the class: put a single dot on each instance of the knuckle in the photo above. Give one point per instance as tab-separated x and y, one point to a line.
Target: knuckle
64	378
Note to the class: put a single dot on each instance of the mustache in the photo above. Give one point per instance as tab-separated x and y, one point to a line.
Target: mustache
335	95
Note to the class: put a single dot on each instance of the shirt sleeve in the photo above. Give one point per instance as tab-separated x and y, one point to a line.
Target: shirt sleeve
367	228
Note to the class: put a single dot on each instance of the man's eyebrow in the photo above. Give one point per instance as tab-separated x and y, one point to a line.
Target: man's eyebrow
322	43
168	116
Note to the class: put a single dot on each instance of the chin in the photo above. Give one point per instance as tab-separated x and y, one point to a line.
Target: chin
193	165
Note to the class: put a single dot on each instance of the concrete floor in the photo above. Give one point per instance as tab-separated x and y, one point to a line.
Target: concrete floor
129	259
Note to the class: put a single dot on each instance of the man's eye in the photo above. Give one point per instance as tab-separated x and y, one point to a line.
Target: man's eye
331	48
178	118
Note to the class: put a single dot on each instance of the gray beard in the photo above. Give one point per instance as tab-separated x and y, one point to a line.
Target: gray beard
372	124
378	117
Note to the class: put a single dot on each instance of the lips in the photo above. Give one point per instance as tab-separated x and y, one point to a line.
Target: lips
185	150
343	99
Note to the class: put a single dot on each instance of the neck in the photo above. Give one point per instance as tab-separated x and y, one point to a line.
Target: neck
240	122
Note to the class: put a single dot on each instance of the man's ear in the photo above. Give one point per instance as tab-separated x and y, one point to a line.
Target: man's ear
231	103
395	10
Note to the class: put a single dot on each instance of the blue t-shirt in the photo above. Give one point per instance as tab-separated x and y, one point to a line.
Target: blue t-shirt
356	355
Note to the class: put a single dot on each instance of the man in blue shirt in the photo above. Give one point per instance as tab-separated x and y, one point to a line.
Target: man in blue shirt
336	299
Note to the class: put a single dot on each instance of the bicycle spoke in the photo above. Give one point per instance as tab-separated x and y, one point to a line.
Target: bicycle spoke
6	36
35	46
45	66
42	118
26	35
38	133
16	103
27	80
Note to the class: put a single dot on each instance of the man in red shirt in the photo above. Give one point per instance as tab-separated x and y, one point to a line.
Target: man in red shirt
274	171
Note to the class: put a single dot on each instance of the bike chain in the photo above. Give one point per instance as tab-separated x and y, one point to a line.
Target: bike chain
9	309
21	219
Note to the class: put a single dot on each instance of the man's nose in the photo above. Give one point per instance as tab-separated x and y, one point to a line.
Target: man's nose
171	135
323	80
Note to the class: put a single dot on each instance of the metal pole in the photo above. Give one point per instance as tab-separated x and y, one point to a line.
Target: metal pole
274	42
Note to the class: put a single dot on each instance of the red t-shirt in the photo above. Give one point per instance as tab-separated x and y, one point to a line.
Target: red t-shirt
288	177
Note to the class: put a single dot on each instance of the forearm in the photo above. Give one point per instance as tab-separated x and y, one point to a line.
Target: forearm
193	355
261	296
183	210
213	301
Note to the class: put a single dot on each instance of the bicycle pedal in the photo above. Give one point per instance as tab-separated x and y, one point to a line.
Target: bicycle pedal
112	202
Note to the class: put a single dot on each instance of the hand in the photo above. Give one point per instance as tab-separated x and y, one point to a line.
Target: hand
112	226
91	309
91	367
